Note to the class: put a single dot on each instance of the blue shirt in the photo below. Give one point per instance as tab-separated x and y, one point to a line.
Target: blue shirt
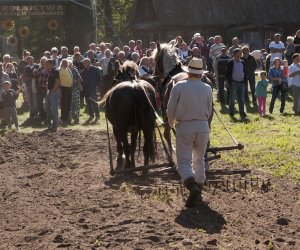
238	71
275	73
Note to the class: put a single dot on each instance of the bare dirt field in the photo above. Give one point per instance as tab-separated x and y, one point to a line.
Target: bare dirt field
56	192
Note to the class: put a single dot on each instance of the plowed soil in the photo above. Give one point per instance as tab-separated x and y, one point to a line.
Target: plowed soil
56	192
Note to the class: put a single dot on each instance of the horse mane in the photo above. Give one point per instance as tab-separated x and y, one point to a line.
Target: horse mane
130	66
165	57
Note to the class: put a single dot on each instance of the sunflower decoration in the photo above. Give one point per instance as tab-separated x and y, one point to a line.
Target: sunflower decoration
12	41
24	32
8	24
53	24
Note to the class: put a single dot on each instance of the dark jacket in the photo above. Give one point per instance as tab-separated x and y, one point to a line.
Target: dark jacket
91	78
230	69
250	65
28	74
9	98
222	64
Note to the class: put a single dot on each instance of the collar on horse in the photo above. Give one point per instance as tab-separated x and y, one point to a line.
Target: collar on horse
177	69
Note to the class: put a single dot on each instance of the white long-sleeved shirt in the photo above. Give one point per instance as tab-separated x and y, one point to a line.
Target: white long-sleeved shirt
190	105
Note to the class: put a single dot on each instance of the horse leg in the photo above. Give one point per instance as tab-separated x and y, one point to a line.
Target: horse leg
119	147
134	136
126	148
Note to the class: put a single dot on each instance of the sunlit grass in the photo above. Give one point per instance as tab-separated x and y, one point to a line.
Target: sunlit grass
271	142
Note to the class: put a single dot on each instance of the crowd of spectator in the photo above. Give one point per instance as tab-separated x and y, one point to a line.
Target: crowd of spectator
65	81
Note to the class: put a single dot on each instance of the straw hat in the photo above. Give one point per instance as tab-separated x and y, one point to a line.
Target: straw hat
195	66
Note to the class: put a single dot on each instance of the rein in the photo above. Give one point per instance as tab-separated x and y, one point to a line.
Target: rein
112	171
177	69
159	119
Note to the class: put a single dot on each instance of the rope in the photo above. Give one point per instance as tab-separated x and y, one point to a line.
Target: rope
112	171
231	135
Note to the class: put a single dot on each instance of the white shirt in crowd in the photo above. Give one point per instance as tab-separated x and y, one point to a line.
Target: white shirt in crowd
274	45
104	65
296	79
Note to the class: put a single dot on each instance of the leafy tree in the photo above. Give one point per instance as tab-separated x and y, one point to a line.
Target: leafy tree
114	20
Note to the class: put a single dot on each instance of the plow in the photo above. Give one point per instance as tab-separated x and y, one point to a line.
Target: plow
226	179
212	154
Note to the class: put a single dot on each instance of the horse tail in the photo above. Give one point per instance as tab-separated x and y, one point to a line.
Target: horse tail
145	115
106	96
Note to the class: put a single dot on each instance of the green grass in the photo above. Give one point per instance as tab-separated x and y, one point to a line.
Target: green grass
271	142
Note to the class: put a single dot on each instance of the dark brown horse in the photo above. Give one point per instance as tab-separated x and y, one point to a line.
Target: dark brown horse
168	67
129	106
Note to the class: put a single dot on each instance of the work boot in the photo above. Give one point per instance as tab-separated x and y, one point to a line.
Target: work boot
195	192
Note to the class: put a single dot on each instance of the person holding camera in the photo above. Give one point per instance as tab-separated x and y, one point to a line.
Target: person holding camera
278	79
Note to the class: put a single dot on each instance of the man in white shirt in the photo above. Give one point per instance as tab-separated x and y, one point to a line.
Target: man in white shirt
276	48
294	75
190	107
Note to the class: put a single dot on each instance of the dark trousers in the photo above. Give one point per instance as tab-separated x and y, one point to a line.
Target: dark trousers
91	104
221	95
251	80
275	92
237	90
65	104
10	115
41	94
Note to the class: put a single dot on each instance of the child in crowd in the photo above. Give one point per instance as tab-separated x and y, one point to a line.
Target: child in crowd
285	69
9	97
261	93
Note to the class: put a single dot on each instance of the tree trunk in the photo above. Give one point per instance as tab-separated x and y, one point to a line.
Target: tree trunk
107	19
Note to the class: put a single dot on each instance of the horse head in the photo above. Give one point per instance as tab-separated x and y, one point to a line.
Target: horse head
166	59
128	72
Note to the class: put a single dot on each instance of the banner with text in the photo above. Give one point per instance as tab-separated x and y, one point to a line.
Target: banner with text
31	10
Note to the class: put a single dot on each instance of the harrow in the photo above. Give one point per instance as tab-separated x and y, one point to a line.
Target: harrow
242	184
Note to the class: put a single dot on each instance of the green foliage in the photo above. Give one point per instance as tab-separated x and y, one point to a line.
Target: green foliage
120	16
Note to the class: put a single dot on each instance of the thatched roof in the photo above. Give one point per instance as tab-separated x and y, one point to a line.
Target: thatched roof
225	13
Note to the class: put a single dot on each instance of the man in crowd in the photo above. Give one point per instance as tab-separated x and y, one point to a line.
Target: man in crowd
276	48
54	57
222	60
190	106
41	83
250	67
52	97
63	54
215	50
235	75
294	74
139	48
108	71
91	77
29	78
4	77
235	45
